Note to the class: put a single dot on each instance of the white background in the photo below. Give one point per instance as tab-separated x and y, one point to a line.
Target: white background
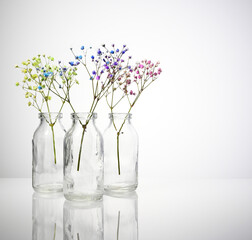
195	121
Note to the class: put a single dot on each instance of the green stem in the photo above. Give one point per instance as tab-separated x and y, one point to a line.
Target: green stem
54	148
82	137
118	155
118	135
51	125
112	116
90	115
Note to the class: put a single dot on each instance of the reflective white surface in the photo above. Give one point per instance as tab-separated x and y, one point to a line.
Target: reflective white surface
176	209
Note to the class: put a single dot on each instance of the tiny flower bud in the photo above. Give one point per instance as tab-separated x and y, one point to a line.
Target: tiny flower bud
17	83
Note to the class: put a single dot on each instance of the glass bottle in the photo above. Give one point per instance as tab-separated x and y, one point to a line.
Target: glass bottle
47	154
83	220
120	154
47	216
121	216
83	159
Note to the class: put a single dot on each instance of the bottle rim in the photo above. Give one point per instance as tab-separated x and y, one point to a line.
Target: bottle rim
120	115
79	115
53	115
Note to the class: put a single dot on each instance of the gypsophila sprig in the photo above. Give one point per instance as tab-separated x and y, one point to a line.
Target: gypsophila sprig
104	71
130	85
41	78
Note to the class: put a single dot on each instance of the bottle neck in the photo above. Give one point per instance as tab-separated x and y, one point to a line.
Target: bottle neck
119	119
83	118
50	118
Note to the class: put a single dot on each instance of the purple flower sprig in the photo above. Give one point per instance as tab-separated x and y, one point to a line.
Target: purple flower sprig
104	67
131	85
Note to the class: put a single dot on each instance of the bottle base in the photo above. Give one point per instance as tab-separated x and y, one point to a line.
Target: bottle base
79	197
48	188
120	188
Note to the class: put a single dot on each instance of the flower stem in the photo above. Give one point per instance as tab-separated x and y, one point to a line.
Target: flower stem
118	154
51	125
82	137
90	115
118	135
54	148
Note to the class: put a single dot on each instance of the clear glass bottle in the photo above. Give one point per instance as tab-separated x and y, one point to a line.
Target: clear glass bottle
120	154
47	154
121	216
83	220
83	159
47	216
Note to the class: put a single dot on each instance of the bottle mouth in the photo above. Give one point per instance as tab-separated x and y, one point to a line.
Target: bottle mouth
120	115
52	115
83	115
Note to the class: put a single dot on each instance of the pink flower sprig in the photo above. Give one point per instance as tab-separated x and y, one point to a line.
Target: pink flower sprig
131	83
140	77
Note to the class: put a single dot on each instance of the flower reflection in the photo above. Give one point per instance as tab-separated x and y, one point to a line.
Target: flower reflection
83	220
80	221
121	216
47	216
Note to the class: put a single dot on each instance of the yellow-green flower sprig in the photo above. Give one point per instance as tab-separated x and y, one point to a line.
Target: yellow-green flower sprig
42	78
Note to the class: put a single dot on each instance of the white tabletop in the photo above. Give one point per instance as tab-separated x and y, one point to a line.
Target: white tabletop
173	209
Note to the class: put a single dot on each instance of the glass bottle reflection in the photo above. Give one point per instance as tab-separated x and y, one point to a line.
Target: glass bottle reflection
121	216
83	220
47	216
